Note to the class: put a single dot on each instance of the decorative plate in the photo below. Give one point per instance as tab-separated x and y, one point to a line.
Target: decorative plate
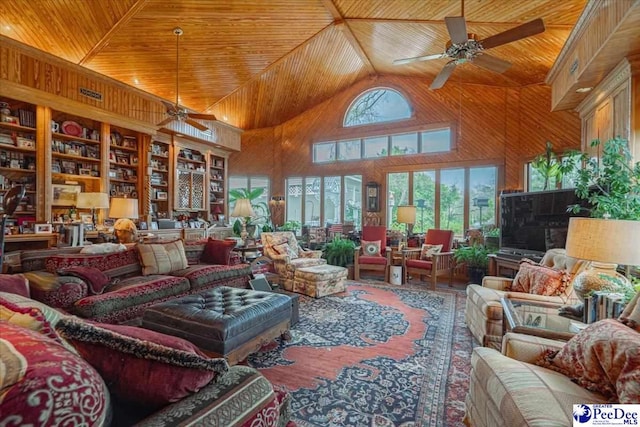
71	128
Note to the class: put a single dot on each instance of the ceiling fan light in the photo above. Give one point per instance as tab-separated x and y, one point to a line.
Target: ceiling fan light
584	89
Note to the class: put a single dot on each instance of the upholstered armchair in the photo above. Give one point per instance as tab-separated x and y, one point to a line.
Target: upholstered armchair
366	258
283	249
440	262
483	312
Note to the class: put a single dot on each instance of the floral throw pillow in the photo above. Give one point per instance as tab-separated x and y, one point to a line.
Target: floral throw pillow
371	248
604	357
540	280
427	251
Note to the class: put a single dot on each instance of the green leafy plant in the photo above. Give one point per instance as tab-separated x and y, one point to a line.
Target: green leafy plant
260	208
550	166
475	256
290	225
339	252
612	186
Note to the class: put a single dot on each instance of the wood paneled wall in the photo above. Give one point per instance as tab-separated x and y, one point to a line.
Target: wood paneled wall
507	126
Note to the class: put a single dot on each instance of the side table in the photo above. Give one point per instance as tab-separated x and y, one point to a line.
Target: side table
249	253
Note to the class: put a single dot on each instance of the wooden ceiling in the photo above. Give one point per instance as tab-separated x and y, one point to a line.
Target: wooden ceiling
258	63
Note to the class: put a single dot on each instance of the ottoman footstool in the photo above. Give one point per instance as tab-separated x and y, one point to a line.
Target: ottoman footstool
320	280
223	321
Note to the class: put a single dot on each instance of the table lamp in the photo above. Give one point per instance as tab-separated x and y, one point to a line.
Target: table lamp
124	210
93	201
606	243
406	215
245	212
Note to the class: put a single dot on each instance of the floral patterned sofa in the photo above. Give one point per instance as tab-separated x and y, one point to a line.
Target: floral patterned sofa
59	369
536	381
66	279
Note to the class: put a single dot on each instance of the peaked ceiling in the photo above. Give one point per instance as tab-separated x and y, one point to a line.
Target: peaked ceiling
258	63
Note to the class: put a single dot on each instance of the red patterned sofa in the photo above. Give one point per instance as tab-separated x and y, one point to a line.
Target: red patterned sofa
59	278
63	370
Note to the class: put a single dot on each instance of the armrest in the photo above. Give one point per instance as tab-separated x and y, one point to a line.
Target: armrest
56	291
527	348
497	283
307	253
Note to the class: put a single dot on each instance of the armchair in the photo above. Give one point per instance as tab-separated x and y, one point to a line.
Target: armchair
441	262
287	256
483	312
378	262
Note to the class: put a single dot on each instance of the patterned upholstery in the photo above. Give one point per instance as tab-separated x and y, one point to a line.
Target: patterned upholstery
441	262
483	311
507	392
284	265
361	262
320	280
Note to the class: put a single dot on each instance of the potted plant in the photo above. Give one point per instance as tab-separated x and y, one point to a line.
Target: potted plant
476	258
549	166
339	252
260	208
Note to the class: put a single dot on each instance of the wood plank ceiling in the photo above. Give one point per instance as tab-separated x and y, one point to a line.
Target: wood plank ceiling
258	63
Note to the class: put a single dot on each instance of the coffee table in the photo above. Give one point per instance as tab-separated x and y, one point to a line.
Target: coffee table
537	318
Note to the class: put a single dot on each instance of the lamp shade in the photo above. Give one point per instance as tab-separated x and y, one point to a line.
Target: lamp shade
243	209
406	214
614	241
92	201
123	208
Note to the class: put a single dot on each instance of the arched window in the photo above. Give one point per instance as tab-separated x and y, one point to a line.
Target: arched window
376	106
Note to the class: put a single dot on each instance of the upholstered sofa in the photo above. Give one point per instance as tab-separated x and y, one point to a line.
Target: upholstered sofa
57	278
536	381
59	369
483	312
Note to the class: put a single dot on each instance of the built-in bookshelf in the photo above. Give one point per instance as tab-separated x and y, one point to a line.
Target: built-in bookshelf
217	178
124	163
160	168
18	159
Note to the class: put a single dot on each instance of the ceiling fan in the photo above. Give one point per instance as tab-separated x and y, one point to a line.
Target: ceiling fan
174	111
466	47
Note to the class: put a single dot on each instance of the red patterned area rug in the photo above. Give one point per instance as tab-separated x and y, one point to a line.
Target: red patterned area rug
375	355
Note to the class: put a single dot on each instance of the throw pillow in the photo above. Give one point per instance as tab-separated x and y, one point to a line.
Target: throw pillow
540	280
95	279
15	284
103	248
217	251
427	251
285	249
139	365
45	385
604	357
371	248
162	258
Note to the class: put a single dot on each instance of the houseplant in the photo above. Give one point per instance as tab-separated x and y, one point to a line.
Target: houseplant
476	258
550	166
261	209
339	252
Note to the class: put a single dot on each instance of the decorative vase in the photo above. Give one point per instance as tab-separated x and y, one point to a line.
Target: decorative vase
598	277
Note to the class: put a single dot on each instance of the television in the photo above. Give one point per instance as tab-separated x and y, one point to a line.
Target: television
532	223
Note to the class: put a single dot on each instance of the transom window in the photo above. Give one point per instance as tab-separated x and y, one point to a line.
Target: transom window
377	105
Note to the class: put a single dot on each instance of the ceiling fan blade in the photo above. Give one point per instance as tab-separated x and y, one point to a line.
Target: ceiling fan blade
523	31
202	116
165	121
491	63
168	105
419	58
457	27
443	76
196	125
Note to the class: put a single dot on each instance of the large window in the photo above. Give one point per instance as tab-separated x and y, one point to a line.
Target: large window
454	199
318	201
536	181
377	106
251	183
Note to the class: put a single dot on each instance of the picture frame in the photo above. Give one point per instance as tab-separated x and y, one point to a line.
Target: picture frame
85	172
64	194
11	119
162	195
142	225
86	218
43	228
55	168
154	225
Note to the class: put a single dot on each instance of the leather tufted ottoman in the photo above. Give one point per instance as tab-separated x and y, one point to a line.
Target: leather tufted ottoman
225	321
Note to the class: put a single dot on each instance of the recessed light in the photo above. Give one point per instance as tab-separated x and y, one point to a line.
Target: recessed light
179	134
136	81
584	89
7	27
225	118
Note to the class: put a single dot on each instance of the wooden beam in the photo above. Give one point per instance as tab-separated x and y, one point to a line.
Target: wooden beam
105	39
506	25
343	26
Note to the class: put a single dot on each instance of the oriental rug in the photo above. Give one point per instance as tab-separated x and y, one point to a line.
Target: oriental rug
375	355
